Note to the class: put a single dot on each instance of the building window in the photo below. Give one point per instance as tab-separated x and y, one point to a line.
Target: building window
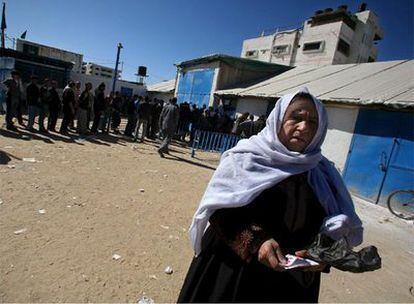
281	49
251	53
313	47
343	47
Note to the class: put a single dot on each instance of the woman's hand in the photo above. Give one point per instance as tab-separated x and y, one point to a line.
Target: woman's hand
271	255
317	268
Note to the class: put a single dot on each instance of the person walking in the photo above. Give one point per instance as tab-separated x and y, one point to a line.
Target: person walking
168	124
13	99
33	101
68	98
83	107
54	107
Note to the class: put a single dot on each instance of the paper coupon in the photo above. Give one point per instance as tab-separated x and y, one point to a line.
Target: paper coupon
294	261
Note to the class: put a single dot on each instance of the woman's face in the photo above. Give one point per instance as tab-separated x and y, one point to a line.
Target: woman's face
299	125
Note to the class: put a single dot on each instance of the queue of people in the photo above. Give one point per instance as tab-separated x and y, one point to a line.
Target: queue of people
94	112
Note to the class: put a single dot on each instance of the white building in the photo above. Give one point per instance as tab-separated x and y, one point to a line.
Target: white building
91	68
345	89
126	88
329	37
162	90
32	48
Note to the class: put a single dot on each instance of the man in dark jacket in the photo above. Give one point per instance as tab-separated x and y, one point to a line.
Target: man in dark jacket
68	99
13	99
168	124
33	101
98	106
117	104
54	107
132	115
44	104
144	115
83	107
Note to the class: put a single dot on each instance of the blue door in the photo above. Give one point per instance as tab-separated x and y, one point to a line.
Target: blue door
381	158
195	87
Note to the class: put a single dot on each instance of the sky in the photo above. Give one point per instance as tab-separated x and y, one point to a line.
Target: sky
157	33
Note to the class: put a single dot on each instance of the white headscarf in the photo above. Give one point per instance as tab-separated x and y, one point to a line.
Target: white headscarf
262	161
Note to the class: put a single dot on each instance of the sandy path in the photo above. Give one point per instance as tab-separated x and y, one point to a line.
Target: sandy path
94	208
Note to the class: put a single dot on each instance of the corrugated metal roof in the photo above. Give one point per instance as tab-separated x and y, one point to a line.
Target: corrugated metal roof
388	83
167	86
244	63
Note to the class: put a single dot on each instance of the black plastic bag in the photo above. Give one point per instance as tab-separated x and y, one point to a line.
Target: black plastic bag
338	254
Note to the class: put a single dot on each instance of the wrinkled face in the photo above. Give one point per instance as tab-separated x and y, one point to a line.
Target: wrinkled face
299	125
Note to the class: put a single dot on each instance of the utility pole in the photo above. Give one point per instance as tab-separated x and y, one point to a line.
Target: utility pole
115	77
116	67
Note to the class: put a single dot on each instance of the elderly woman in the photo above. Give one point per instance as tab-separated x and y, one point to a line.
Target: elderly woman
270	196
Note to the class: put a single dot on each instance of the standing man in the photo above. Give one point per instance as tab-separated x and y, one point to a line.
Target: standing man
98	106
44	104
116	112
144	114
33	101
77	90
54	107
83	107
168	124
132	116
13	99
68	99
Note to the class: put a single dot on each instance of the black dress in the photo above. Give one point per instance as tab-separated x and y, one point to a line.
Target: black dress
227	269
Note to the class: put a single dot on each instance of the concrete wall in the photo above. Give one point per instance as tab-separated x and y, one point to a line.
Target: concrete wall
55	53
341	127
263	46
291	40
160	95
328	33
96	80
252	105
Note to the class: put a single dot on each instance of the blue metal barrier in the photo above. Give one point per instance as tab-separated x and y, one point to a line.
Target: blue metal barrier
213	141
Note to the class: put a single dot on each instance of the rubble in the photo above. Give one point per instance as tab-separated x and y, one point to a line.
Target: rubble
168	270
20	231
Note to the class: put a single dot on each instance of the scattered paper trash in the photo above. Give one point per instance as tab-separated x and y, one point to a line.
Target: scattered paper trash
165	227
8	147
1	201
11	166
168	270
42	211
20	231
116	256
165	175
160	191
29	159
153	277
145	300
141	190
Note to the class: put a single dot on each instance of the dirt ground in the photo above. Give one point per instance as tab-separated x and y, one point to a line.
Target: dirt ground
107	195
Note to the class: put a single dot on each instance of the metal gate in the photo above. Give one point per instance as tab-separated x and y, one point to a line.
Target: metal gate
195	87
381	155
